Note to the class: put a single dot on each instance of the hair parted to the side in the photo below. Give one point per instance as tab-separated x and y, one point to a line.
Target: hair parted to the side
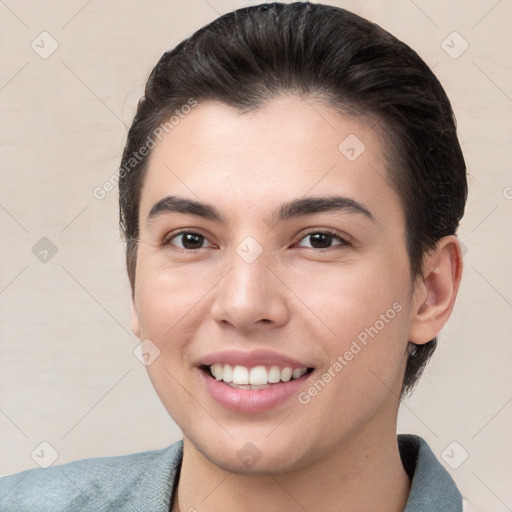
249	56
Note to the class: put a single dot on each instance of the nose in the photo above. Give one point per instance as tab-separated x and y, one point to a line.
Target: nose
251	296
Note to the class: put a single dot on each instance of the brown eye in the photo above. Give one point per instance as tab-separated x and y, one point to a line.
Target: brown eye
188	240
322	240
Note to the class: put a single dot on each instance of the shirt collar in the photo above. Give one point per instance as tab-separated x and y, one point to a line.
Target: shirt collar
432	487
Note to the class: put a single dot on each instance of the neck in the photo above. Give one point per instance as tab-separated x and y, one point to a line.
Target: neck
365	473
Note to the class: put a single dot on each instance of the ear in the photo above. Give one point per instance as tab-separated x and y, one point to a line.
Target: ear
135	319
436	290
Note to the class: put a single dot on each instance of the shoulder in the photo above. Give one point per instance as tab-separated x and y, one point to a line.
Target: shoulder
432	487
107	483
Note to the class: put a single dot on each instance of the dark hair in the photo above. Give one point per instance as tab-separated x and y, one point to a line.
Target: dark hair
247	57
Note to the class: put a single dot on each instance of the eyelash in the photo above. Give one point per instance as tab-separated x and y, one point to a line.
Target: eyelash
344	241
167	240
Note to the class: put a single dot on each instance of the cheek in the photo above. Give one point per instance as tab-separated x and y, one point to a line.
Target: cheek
363	325
170	306
365	355
350	299
170	302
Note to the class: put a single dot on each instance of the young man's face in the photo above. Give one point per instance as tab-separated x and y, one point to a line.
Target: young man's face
327	288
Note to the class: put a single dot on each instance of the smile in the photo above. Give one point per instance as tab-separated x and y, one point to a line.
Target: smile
257	377
256	389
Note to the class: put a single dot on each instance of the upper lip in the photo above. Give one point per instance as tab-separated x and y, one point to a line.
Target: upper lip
252	358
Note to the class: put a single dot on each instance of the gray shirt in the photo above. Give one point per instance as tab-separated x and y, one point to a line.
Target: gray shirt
147	481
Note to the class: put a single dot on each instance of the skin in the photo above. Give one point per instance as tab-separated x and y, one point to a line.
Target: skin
300	301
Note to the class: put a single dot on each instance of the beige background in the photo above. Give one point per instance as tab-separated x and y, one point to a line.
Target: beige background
68	375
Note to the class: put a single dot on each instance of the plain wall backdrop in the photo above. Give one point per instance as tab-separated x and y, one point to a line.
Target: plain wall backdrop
70	76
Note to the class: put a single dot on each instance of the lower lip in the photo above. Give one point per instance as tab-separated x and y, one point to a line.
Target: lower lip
252	400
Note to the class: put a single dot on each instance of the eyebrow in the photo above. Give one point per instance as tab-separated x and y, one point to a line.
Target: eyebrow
171	204
311	205
295	208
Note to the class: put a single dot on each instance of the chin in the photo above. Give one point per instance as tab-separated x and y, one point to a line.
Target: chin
251	455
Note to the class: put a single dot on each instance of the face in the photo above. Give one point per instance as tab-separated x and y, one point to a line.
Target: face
270	245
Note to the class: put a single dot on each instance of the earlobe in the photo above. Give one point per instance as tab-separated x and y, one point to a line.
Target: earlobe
135	319
435	294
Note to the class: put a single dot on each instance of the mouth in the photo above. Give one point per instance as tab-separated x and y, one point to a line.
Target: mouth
255	389
253	378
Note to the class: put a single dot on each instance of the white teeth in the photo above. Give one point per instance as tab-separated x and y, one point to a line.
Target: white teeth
298	372
256	377
286	374
274	374
227	375
217	371
240	375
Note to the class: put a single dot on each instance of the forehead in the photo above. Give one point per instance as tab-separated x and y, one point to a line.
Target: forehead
289	148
